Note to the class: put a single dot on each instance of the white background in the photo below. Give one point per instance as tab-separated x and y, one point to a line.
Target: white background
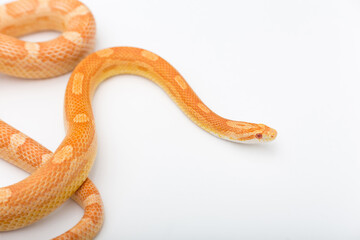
293	65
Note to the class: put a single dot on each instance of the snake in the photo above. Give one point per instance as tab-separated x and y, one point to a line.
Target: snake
62	173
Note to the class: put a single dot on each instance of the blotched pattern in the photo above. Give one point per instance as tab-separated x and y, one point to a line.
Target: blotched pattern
30	153
44	59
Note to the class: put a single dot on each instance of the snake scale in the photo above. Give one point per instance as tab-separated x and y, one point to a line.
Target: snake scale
58	176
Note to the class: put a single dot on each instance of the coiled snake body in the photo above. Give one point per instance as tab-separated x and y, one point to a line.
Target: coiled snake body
59	175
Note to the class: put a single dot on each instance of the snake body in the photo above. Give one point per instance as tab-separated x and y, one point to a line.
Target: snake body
29	156
44	59
62	173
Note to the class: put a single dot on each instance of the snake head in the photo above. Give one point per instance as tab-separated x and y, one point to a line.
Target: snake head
266	134
243	132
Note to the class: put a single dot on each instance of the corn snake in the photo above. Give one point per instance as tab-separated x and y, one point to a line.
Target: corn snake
76	153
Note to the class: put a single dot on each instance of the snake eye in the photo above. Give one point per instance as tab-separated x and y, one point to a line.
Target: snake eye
258	136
